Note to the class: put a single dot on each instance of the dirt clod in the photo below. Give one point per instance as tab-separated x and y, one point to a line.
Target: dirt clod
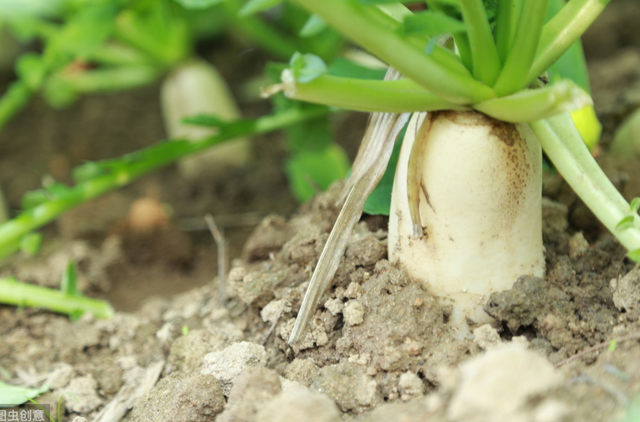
496	386
229	363
299	404
86	395
181	397
252	390
348	385
626	291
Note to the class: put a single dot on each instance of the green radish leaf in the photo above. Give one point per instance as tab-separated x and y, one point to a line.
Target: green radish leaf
58	189
309	172
30	243
205	120
86	30
69	282
379	201
256	6
375	2
450	8
348	69
12	395
75	315
31	70
625	223
33	198
12	10
198	4
635	204
315	160
431	24
634	255
88	171
25	28
314	25
314	135
59	93
307	67
571	64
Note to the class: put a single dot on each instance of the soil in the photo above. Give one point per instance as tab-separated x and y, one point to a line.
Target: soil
378	348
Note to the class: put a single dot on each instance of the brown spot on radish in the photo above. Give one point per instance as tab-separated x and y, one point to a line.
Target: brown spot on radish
504	131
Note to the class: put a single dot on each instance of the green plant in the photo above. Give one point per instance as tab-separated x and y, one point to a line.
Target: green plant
111	45
68	300
464	223
59	406
96	178
13	395
626	142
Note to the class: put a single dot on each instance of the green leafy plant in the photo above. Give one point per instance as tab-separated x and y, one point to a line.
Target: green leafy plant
68	300
626	142
465	214
96	178
13	395
112	45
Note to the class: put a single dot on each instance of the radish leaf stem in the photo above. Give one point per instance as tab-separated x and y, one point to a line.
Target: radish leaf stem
566	150
362	25
515	75
19	294
562	31
484	53
507	22
397	96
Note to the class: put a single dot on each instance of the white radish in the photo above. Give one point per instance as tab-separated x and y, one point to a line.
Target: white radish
466	209
195	88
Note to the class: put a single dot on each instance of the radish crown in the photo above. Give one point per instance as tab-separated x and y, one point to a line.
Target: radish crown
503	48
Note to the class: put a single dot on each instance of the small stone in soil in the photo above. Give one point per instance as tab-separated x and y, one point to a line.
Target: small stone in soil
86	395
60	376
335	306
486	337
349	385
626	291
181	397
496	386
273	310
353	313
578	245
299	404
302	371
252	390
410	386
187	352
228	364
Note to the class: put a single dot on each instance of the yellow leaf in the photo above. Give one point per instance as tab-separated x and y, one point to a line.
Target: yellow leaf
588	125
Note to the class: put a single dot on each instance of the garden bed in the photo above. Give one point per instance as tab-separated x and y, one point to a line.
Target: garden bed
378	347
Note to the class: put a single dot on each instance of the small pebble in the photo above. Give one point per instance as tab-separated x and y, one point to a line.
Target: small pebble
578	245
353	313
334	306
410	386
226	365
354	291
